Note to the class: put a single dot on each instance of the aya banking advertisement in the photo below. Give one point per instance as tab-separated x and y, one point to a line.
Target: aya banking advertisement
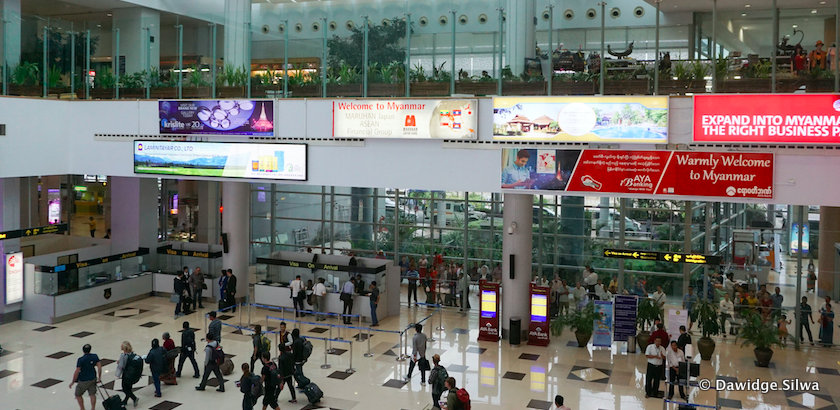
220	159
767	118
217	117
419	119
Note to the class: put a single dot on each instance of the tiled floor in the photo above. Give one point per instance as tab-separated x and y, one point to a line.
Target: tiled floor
497	375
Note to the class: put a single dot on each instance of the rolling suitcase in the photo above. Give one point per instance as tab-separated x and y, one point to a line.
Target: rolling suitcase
226	367
302	381
110	402
313	393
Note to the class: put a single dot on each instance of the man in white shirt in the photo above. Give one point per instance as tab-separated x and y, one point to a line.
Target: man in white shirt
673	357
319	292
579	294
590	278
727	309
659	297
599	290
297	300
654	354
563	297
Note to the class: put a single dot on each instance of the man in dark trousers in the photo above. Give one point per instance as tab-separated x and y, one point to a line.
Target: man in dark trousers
196	282
297	354
684	339
347	298
187	350
286	365
215	327
180	288
210	365
655	355
230	291
272	390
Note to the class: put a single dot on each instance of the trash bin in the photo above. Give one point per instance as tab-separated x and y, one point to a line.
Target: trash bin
631	344
515	336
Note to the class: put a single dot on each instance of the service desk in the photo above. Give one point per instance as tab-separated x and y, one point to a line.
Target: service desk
165	283
277	294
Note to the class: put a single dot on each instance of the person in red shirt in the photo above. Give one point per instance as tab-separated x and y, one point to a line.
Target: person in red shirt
659	333
168	343
169	376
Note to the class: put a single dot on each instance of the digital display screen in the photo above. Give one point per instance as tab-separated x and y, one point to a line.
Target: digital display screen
539	308
488	304
217	117
14	278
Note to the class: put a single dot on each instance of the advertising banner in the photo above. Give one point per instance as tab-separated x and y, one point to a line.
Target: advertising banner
602	332
217	117
637	119
676	318
488	318
767	118
538	328
707	174
221	159
794	238
14	277
625	317
421	119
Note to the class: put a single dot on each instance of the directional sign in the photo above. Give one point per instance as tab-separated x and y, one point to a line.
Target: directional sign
672	257
631	254
693	258
41	230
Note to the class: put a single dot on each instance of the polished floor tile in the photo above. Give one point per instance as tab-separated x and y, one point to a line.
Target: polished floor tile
46	383
165	405
59	355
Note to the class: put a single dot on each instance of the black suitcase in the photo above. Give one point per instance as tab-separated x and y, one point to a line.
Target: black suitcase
313	393
302	381
110	402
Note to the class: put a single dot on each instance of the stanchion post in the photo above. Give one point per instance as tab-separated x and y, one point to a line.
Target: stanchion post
206	329
250	305
330	350
440	314
432	336
351	370
368	354
325	365
400	357
339	332
240	315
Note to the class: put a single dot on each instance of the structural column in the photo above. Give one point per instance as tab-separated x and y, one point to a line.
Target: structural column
520	33
516	259
236	208
208	212
133	23
11	31
829	238
237	32
134	215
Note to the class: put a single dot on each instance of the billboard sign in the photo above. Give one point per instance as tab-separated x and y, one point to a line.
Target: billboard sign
14	278
216	117
419	119
619	119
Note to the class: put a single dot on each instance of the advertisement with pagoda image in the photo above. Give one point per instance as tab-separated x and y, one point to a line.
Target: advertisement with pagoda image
217	117
619	119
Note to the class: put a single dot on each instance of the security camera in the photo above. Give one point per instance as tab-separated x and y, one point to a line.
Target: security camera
265	29
482	18
590	14
615	12
639	12
569	14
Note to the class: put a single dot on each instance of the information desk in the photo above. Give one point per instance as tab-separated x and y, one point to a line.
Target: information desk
277	294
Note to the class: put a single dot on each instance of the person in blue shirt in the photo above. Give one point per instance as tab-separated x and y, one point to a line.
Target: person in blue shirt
518	176
347	298
689	299
88	373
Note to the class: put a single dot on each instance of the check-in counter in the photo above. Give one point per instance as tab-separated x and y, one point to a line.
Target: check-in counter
164	283
277	294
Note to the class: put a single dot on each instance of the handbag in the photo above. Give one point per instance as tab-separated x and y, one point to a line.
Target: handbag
204	286
345	297
423	364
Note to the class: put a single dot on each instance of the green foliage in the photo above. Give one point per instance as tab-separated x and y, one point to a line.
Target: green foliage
760	70
196	78
763	335
25	73
344	74
707	317
383	45
819	74
54	78
418	74
105	79
439	75
699	70
577	320
136	80
232	76
59	50
507	74
388	74
646	313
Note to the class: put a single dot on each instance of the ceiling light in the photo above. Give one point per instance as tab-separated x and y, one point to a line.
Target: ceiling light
109	14
796	26
814	11
822	2
747	5
743	14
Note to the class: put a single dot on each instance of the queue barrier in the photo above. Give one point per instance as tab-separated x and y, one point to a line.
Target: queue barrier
404	347
683	404
326	365
283	310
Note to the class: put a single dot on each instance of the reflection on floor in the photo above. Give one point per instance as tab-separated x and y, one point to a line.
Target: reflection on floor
36	363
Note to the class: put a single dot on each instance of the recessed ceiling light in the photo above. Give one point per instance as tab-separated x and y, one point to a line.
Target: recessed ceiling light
796	26
814	11
822	2
743	14
747	5
109	14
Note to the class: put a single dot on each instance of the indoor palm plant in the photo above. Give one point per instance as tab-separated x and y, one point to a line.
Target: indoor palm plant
706	316
763	335
646	313
582	322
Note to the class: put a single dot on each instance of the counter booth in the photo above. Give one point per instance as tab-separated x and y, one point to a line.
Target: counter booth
172	257
278	270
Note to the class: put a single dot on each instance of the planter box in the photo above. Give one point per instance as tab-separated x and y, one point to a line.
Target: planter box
476	88
133	93
386	90
259	91
100	94
344	90
305	91
196	92
626	87
523	88
163	93
27	90
230	92
681	87
744	85
429	89
572	88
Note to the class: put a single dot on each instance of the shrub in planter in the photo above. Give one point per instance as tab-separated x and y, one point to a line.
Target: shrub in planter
707	317
763	335
582	322
646	313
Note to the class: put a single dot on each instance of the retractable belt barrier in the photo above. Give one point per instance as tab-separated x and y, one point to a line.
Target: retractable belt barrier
326	365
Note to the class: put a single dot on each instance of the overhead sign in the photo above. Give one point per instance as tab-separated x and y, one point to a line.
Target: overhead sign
767	118
673	257
321	266
14	277
619	119
222	159
41	230
440	119
97	261
220	117
680	173
167	250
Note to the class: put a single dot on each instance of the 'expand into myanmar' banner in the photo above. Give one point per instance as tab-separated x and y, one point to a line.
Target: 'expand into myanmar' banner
219	117
709	174
221	159
767	118
637	120
443	119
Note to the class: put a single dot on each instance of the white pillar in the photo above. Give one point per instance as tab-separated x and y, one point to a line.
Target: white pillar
208	212
134	215
237	35
133	23
518	240
520	33
236	202
11	31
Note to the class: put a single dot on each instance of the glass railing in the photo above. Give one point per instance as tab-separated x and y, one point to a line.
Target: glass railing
58	280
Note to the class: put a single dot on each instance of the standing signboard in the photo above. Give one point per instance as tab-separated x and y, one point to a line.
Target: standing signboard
602	330
14	277
538	328
676	318
625	317
488	320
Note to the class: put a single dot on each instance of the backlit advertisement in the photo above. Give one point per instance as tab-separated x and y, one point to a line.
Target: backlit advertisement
767	118
681	173
14	277
538	326
794	239
219	159
217	117
603	324
488	320
53	206
619	119
421	119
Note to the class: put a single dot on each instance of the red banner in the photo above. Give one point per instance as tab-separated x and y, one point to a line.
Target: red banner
767	118
538	328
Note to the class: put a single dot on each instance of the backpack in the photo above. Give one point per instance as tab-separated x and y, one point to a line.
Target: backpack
464	398
218	355
273	380
307	349
256	387
265	344
440	378
133	368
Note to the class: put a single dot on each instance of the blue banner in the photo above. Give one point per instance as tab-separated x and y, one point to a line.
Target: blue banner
602	334
625	317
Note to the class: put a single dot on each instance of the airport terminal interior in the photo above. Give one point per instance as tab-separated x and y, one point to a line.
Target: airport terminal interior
535	192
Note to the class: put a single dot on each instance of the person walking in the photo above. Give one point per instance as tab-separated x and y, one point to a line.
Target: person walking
298	356
827	326
418	354
271	379
187	350
654	354
804	316
689	299
92	225
245	384
127	356
437	379
563	294
196	282
412	275
180	287
261	344
452	400
210	365
727	309
215	327
558	403
157	364
673	357
319	293
286	366
347	297
374	303
296	287
230	290
464	287
88	374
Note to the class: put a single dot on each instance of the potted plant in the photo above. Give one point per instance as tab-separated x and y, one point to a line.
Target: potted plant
646	313
582	322
573	84
24	79
434	84
197	86
707	317
763	335
231	83
103	84
344	81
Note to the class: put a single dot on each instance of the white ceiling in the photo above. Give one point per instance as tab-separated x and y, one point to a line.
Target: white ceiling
729	5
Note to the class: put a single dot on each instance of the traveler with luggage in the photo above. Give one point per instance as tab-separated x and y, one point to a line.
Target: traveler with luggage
157	364
261	344
270	376
456	399
286	365
437	379
299	356
298	294
215	327
129	369
214	356
418	354
251	387
88	373
187	350
285	343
